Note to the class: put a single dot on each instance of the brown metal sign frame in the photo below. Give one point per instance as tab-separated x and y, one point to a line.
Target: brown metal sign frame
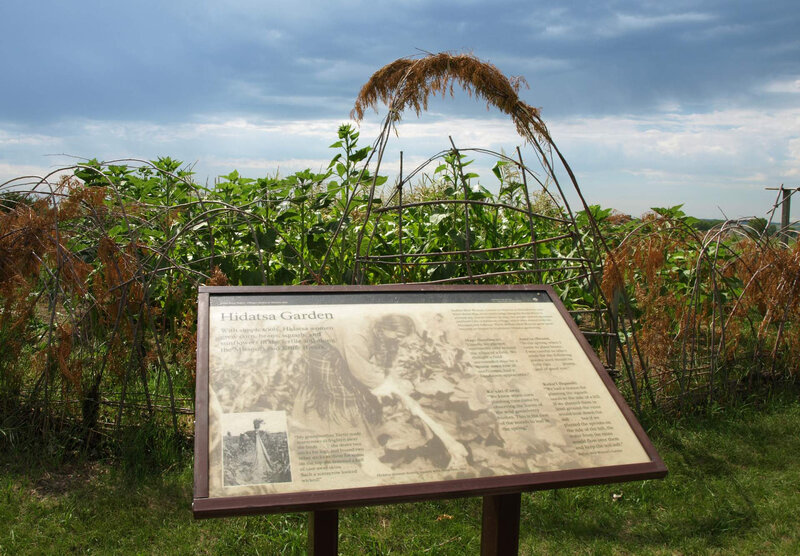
321	500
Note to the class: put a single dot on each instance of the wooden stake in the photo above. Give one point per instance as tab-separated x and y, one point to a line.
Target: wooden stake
323	533
500	528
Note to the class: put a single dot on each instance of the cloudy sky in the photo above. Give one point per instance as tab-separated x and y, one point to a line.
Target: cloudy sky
652	103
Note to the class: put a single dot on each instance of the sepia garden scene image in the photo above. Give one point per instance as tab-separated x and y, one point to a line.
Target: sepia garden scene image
697	324
404	388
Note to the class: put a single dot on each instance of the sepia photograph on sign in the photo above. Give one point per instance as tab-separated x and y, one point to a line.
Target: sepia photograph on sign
324	392
255	448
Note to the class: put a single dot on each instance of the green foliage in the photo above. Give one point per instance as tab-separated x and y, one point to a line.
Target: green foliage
98	304
108	303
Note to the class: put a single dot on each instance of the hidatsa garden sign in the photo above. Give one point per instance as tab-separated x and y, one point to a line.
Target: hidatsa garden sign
314	398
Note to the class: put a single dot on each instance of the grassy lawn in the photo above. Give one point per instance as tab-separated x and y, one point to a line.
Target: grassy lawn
733	488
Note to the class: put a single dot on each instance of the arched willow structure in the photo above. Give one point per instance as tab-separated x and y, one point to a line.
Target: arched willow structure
450	235
690	317
99	264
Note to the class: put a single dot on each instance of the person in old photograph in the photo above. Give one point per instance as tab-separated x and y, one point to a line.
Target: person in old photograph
329	397
256	457
330	400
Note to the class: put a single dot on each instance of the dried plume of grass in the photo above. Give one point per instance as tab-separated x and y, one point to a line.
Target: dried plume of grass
409	82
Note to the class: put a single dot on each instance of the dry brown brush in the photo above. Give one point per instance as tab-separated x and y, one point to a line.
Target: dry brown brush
711	315
79	348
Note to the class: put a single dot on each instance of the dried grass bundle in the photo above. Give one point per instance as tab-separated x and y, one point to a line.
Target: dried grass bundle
408	82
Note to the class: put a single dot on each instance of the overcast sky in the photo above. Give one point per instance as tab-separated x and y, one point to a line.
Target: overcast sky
652	103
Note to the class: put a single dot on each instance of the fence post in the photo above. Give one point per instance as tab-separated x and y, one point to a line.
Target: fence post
323	533
785	210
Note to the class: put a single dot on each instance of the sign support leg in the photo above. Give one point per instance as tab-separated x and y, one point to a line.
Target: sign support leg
500	527
323	533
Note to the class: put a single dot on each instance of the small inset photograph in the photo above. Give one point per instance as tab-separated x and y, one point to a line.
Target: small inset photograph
255	448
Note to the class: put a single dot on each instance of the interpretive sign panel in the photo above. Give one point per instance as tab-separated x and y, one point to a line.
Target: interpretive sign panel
320	397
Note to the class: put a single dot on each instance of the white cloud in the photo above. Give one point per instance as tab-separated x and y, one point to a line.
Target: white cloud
558	30
791	85
10	138
282	166
329	69
630	22
15	170
629	162
794	158
568	25
27	176
732	132
216	128
533	64
781	46
712	162
252	92
715	32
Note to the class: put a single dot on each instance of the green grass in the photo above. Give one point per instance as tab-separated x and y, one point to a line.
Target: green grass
733	488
